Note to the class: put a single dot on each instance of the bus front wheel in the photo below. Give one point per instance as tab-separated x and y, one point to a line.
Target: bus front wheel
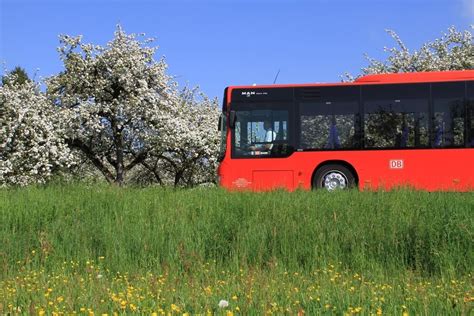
333	177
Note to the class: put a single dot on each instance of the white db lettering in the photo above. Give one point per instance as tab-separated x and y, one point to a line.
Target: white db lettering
396	164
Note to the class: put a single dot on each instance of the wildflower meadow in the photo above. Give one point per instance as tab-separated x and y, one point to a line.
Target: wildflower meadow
100	249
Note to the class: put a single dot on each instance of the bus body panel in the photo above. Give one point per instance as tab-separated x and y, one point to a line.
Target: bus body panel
430	169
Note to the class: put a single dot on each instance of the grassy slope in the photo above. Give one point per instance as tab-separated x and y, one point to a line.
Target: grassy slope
393	238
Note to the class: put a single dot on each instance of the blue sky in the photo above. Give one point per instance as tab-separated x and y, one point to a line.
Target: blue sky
214	44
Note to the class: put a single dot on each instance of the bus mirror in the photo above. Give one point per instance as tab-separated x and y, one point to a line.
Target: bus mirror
219	127
232	119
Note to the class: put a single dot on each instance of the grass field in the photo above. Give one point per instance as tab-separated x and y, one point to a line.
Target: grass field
105	250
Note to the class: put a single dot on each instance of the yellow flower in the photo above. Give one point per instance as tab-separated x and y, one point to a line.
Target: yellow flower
229	313
379	311
405	313
175	308
123	304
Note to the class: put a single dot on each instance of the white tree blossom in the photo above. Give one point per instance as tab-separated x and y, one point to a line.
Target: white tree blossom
121	110
31	144
189	142
454	50
112	100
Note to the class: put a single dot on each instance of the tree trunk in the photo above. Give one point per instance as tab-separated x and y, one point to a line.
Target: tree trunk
119	169
177	177
118	142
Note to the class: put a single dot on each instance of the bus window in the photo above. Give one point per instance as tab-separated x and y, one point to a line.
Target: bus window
261	133
396	116
328	125
470	111
330	120
471	122
448	114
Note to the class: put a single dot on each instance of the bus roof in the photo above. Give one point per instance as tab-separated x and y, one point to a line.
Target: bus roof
408	77
419	76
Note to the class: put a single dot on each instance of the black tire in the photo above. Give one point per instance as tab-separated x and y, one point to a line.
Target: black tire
333	177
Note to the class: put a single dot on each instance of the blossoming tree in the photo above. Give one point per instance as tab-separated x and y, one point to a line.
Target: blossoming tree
187	155
31	146
454	50
121	110
113	99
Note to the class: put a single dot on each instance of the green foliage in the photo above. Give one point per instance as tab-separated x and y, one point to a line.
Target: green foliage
17	76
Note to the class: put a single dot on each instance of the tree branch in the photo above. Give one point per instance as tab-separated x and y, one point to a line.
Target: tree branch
153	170
78	144
138	159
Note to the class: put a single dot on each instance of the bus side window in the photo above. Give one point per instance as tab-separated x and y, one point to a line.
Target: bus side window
448	115
470	111
396	116
471	121
329	122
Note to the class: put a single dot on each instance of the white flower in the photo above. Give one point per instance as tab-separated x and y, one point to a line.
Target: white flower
223	303
31	146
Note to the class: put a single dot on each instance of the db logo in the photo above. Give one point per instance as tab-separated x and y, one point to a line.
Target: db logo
396	164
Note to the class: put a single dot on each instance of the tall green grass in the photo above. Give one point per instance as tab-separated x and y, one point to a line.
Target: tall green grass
380	233
102	249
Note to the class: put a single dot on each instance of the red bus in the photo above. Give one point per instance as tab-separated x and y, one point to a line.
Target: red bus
379	132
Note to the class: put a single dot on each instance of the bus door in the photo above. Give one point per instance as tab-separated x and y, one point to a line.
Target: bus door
261	146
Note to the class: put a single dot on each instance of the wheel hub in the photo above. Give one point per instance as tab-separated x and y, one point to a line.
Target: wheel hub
334	180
